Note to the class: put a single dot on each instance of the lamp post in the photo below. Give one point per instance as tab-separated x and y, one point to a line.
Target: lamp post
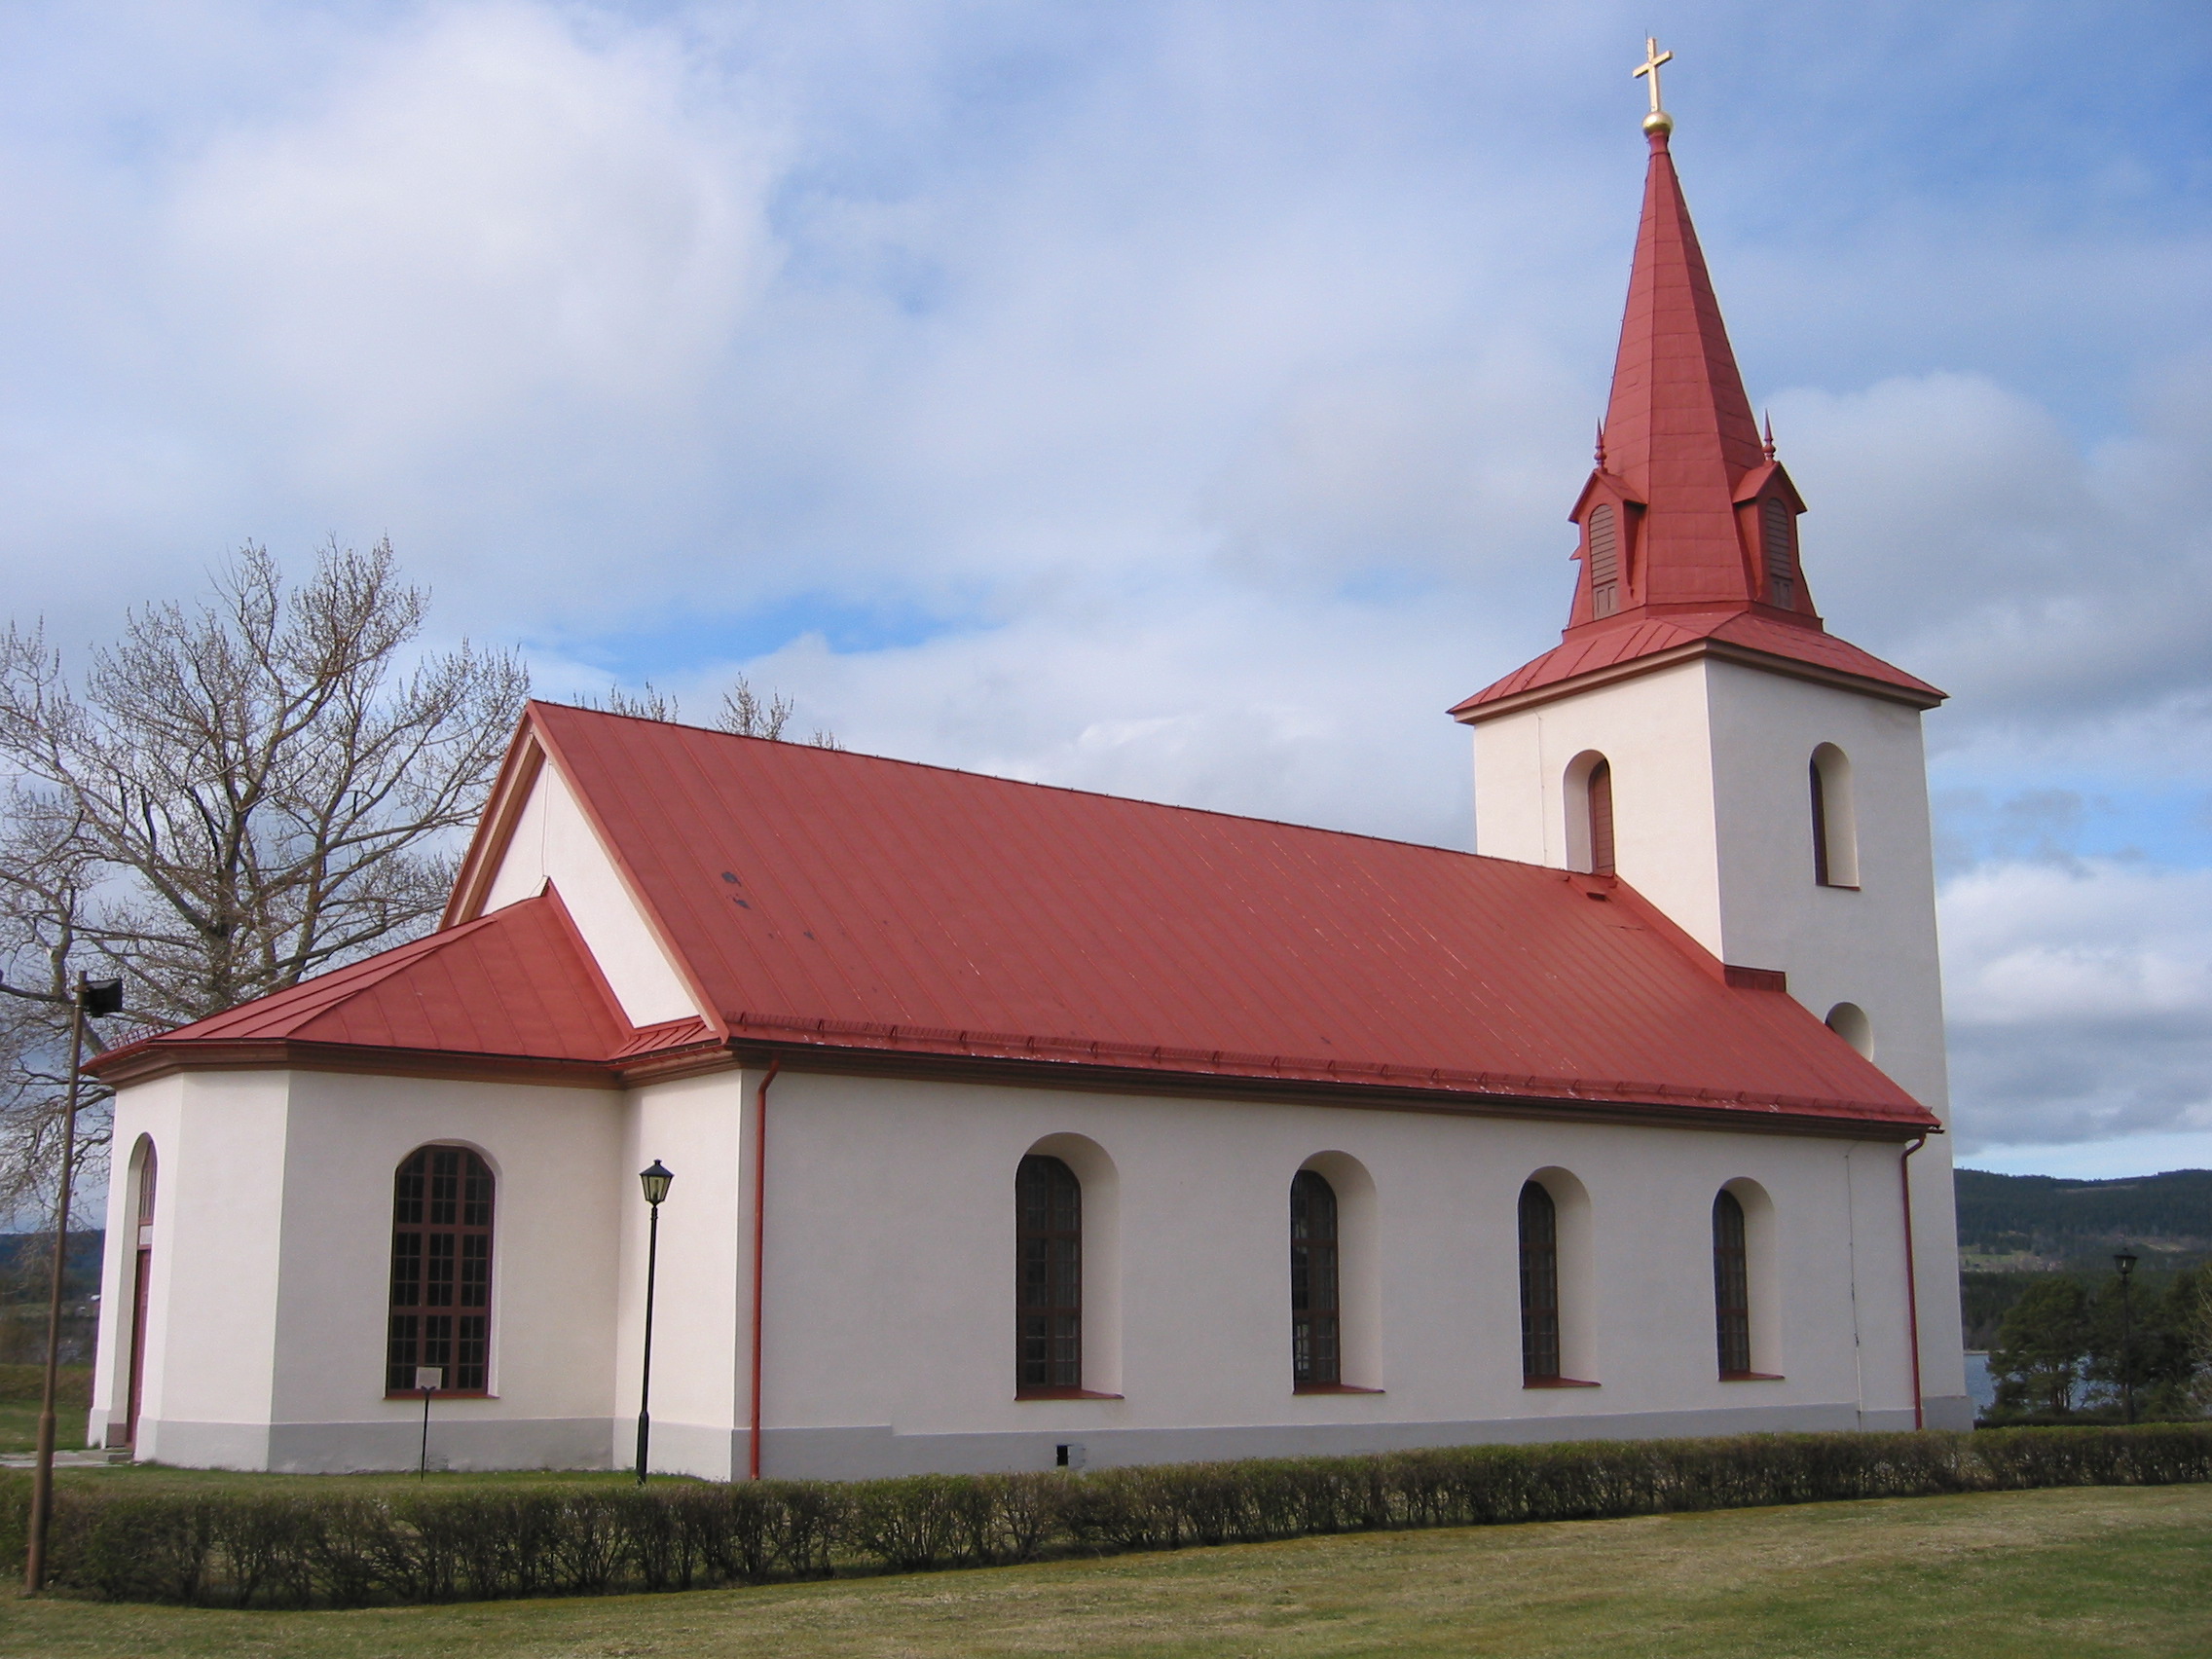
654	1180
2125	1261
94	997
428	1379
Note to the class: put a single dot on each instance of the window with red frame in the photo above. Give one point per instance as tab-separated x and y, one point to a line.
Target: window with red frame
441	1270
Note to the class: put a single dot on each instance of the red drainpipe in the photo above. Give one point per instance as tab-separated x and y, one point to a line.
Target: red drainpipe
1911	1278
760	1244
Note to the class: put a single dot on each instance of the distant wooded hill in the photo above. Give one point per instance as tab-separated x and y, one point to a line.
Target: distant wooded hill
26	1266
2165	1218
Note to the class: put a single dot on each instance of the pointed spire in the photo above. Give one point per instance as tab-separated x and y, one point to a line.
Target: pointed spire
1679	436
1600	457
1767	446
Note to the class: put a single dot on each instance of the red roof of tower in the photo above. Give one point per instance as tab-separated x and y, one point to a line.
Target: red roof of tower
1679	429
1681	453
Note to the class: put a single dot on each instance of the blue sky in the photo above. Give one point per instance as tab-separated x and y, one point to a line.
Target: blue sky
1181	399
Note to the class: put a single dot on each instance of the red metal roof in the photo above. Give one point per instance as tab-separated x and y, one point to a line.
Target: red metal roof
518	982
845	901
1679	429
1680	444
833	901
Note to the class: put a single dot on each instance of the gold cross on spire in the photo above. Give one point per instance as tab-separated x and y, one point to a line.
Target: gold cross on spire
1658	121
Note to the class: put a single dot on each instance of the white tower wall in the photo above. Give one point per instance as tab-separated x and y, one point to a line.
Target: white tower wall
1713	822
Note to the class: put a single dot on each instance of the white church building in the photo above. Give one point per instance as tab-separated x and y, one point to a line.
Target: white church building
1013	1126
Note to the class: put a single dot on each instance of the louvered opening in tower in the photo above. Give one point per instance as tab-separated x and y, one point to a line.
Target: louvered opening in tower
1605	561
1781	565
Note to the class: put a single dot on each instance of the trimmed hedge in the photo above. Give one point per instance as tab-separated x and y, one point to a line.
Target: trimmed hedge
299	1546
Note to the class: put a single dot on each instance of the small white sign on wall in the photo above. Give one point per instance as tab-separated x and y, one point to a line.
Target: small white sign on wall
430	1377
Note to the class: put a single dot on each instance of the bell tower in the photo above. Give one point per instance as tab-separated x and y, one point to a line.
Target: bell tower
1698	732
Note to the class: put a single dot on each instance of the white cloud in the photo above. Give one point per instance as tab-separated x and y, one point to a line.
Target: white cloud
1282	708
484	228
2080	1001
2042	581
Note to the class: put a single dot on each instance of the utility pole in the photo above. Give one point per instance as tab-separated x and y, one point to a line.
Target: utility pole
94	997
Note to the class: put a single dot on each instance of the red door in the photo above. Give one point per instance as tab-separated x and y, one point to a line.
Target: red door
138	1342
141	1288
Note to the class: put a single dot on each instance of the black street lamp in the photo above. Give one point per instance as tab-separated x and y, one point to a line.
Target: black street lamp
654	1180
95	997
2125	1261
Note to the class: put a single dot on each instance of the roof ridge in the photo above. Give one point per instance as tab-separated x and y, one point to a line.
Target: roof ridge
1036	784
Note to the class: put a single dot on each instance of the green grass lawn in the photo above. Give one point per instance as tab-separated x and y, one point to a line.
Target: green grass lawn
18	1426
20	1388
2037	1575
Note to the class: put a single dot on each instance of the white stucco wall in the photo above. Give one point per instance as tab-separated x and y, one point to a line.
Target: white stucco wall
552	840
890	1273
699	1129
890	1333
271	1255
1656	731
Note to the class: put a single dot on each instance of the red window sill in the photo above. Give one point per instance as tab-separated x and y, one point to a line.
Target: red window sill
1752	1377
1331	1388
1557	1383
1062	1394
416	1395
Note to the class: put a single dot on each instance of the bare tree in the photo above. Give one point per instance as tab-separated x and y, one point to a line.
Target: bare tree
649	704
743	712
232	798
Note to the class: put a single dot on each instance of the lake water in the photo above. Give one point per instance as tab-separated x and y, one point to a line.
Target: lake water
1979	1387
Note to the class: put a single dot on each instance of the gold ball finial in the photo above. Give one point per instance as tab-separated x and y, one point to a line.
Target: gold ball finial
1658	121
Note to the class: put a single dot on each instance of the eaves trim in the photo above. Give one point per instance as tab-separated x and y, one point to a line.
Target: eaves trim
1045	1062
1475	713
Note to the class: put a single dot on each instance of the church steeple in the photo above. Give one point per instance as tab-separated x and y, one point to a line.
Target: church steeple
1689	525
1686	510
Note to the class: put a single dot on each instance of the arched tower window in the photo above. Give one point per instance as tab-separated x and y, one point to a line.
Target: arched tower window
1315	1322
1601	801
1048	1232
1604	561
1731	1286
1781	561
1835	822
1849	1021
441	1270
141	1287
1540	1285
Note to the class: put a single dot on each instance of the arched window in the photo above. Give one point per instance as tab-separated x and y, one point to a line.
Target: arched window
1836	825
441	1270
1601	798
141	1287
1849	1021
1540	1285
1731	1286
1316	1314
1781	565
1048	1232
1605	561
